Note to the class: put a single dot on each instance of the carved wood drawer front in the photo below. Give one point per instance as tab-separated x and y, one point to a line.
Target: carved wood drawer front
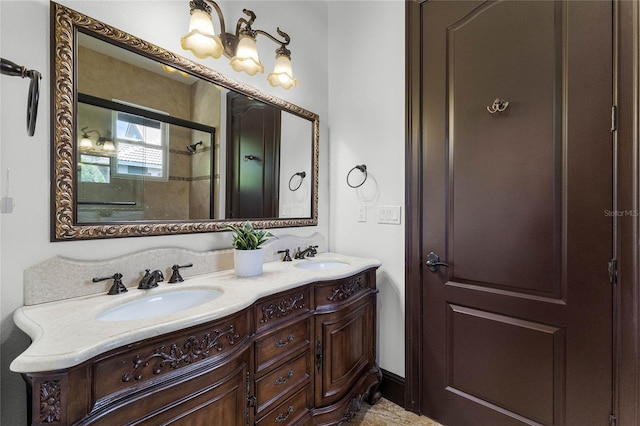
281	307
282	380
291	411
218	393
343	290
284	342
144	364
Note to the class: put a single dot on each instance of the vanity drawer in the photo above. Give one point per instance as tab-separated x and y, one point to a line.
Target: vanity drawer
282	380
347	289
282	306
282	343
138	366
291	411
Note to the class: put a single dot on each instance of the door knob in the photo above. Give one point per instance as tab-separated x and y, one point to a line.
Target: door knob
433	262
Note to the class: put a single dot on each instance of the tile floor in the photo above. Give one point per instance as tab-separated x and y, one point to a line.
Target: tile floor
386	413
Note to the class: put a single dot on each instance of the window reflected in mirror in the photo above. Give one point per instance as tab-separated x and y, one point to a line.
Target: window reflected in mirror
157	170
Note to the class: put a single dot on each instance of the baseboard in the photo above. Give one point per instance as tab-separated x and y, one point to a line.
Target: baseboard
392	387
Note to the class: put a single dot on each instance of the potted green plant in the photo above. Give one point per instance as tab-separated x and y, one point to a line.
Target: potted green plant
248	256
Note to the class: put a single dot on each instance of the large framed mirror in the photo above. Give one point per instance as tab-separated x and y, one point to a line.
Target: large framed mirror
146	142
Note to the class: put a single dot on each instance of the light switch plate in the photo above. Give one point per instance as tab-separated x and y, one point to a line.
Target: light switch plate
389	215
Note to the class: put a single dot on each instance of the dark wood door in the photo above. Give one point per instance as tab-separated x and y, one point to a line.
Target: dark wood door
518	328
253	158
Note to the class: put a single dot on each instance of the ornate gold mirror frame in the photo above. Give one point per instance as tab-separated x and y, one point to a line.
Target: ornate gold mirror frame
65	25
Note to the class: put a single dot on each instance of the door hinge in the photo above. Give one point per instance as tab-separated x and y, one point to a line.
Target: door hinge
614	118
613	271
613	421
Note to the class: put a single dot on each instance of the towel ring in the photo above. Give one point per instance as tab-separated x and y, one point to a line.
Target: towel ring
11	68
363	169
302	176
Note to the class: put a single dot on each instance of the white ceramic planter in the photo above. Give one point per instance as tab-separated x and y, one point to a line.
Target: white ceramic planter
248	263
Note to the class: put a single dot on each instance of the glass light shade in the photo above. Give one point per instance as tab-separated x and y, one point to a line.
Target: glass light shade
201	38
282	74
85	142
246	58
108	146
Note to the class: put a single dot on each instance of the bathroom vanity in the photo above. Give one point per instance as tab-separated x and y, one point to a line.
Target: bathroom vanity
292	346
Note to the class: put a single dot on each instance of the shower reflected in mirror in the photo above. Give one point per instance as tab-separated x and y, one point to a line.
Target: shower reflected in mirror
193	147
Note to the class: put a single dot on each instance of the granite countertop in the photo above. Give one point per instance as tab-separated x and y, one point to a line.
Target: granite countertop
66	333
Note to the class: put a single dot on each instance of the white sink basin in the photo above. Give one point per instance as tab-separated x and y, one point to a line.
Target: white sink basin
322	265
158	305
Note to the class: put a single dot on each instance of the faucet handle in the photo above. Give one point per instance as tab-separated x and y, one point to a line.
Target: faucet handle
313	250
287	257
175	276
117	287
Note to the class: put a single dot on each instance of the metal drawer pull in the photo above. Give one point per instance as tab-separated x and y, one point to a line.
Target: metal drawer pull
282	380
282	417
280	343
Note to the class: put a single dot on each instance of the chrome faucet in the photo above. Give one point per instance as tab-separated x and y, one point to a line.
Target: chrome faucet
151	279
308	252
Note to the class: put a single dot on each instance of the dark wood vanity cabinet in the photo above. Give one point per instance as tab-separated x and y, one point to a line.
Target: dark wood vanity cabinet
301	357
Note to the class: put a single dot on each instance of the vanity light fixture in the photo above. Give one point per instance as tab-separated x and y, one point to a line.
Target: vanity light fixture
240	47
86	143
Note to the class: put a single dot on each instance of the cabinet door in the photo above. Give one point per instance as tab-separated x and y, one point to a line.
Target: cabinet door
344	349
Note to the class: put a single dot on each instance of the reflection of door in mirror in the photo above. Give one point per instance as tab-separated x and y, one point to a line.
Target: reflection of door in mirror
253	158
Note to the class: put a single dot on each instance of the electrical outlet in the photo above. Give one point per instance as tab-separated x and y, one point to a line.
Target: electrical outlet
362	213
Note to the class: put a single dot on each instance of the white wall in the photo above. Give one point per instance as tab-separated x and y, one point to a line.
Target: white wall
366	126
349	59
25	39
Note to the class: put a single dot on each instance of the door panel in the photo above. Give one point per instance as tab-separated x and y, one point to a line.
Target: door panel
503	163
253	158
517	330
522	358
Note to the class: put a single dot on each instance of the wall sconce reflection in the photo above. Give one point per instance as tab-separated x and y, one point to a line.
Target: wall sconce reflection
239	47
171	70
102	142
